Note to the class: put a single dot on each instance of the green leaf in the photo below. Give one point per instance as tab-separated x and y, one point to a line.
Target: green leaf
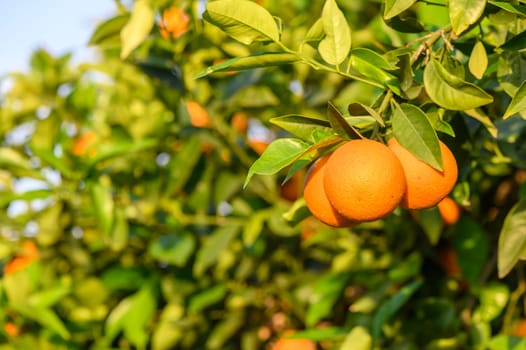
182	165
243	20
120	230
389	308
102	198
493	299
301	126
451	92
326	292
318	334
279	154
484	119
11	158
357	109
512	239
253	228
225	330
173	248
370	56
506	342
213	246
471	244
315	33
412	129
431	223
406	269
516	44
510	7
464	13
137	28
361	64
357	339
395	7
257	60
518	102
340	125
511	71
478	60
207	297
143	305
45	317
108	31
335	46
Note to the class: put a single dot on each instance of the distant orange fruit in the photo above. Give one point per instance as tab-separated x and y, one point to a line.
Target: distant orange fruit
11	329
198	115
85	144
240	122
520	329
364	180
447	259
426	186
316	197
449	211
293	344
28	253
174	23
292	189
259	146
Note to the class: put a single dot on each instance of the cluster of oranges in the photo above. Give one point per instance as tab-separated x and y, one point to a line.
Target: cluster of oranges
365	180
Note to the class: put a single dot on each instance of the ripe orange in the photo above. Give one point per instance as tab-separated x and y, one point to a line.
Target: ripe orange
447	259
426	186
174	23
239	122
449	211
84	144
11	329
198	115
364	180
294	344
28	253
259	146
520	329
316	198
292	189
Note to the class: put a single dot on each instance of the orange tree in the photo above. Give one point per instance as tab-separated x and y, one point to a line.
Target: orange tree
137	213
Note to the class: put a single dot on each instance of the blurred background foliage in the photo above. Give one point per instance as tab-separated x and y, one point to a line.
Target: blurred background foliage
125	224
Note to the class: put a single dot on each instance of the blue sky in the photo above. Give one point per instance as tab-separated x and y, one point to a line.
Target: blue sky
59	26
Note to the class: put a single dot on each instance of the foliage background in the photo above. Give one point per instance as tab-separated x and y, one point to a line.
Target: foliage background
147	238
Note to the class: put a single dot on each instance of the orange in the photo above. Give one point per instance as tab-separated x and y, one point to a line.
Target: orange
520	329
258	146
316	198
198	115
174	23
292	189
28	253
364	180
84	144
294	344
239	122
11	329
426	186
447	259
449	211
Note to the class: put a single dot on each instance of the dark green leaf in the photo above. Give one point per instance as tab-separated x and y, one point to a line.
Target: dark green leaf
108	30
173	248
510	7
391	306
517	43
340	125
412	129
326	292
243	20
472	247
